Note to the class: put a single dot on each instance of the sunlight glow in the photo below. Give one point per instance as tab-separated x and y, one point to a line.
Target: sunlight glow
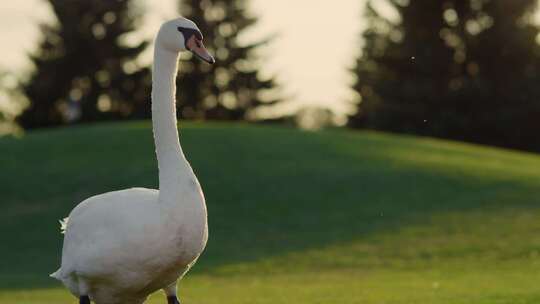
315	45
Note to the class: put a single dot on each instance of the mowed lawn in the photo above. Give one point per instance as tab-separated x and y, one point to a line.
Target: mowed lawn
295	217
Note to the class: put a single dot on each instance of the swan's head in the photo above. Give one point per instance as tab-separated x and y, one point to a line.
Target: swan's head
182	34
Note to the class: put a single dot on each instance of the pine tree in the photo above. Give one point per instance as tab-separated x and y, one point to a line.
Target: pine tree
460	69
232	88
503	60
83	69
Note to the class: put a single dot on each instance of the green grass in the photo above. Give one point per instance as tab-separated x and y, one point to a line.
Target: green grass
295	217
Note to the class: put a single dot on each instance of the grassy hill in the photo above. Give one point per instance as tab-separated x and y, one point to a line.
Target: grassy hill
295	217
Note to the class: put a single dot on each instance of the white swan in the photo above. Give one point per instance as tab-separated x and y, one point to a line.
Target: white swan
121	246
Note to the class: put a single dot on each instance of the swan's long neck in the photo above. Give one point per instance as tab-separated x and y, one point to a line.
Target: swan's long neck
174	170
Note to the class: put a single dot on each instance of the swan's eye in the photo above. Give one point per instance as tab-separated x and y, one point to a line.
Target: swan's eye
189	32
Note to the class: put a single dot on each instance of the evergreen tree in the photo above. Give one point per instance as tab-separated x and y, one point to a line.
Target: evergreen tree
83	69
461	69
232	88
503	59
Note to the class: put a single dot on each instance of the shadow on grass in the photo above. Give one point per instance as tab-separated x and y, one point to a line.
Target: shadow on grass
270	191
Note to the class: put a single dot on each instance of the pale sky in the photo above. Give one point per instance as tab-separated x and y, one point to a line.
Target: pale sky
316	44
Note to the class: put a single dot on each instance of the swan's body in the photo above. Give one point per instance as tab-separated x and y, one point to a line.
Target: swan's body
124	245
121	246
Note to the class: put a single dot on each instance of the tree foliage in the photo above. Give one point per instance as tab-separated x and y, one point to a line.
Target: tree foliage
11	102
460	69
84	68
233	87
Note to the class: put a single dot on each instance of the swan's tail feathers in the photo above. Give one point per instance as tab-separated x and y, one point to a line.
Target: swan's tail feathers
63	225
57	274
69	280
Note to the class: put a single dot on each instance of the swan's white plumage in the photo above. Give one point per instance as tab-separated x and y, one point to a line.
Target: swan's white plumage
121	246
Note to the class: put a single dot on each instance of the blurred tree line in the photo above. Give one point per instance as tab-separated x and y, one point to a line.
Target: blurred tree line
86	66
460	69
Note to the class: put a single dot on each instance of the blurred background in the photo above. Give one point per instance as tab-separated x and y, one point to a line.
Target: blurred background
418	183
445	69
266	53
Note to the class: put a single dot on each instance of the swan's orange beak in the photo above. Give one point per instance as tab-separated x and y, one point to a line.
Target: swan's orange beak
196	46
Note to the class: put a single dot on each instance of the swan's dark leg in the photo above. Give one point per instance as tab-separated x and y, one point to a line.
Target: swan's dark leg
172	300
84	300
170	292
